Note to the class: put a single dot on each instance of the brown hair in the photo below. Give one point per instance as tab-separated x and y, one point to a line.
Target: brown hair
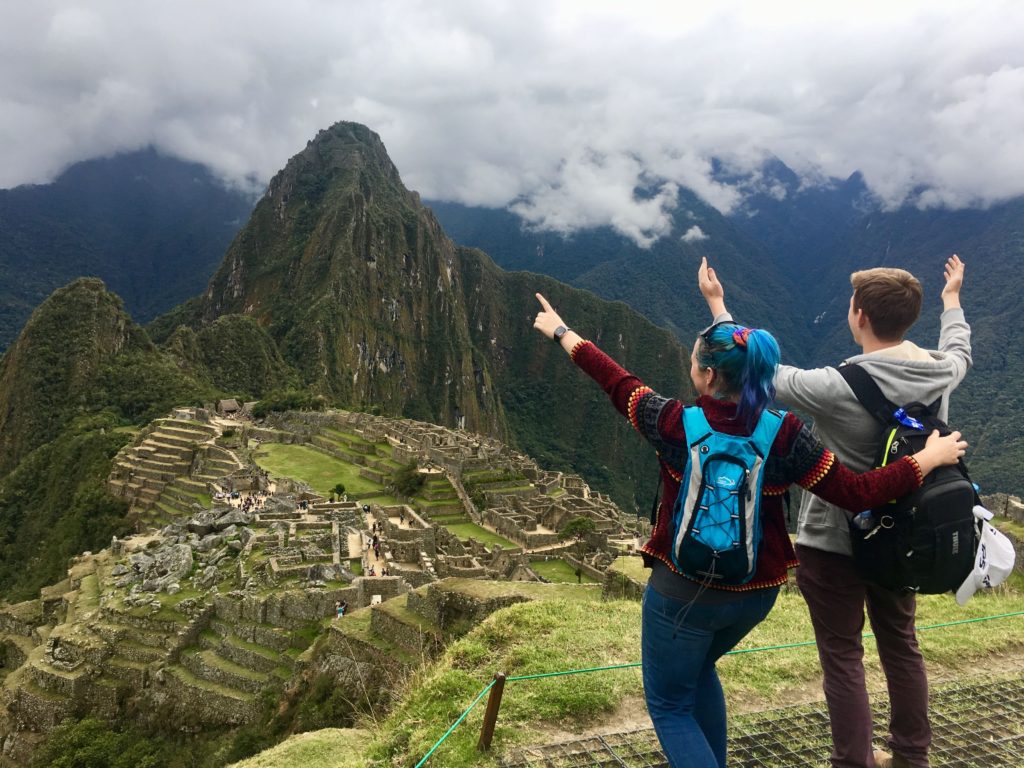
891	299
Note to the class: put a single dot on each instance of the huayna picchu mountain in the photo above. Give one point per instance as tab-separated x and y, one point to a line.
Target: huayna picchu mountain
374	306
359	286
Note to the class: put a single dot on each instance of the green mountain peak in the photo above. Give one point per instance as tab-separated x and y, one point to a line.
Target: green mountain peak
50	371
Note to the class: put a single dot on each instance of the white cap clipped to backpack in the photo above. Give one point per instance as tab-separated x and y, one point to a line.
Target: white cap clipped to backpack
993	561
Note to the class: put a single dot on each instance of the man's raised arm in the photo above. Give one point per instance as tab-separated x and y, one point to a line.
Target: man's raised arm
812	391
954	333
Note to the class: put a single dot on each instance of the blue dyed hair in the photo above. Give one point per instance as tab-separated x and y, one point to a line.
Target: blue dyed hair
745	360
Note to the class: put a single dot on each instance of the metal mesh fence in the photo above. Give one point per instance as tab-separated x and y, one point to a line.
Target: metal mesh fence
979	724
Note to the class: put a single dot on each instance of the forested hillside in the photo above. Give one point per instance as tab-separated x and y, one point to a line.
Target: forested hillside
786	260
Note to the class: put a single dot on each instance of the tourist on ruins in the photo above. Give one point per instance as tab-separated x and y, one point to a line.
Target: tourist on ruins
884	305
340	606
371	572
689	623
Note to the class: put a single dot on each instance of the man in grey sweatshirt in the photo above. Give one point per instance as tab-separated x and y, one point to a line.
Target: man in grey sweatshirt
884	305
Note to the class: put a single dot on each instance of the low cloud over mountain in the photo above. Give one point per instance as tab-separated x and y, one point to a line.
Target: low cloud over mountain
561	111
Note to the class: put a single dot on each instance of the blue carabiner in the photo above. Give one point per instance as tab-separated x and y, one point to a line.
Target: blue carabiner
900	414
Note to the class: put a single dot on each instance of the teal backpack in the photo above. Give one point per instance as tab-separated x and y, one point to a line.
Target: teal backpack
716	523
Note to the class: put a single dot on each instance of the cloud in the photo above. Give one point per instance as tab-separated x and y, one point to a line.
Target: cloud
575	113
694	235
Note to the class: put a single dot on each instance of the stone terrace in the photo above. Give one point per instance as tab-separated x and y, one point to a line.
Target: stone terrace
169	470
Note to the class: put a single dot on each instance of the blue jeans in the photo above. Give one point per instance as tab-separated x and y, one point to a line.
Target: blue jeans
680	646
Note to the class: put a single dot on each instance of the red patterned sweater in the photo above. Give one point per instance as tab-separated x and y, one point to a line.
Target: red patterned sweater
796	457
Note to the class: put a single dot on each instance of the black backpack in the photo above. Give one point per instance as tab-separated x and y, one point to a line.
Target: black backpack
925	541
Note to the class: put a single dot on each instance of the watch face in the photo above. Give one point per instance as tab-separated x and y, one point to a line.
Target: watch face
560	331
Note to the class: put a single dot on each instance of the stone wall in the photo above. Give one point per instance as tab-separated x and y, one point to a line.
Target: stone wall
416	578
1005	505
419	639
385	586
193	708
21	619
38	711
12	654
457	612
588	569
371	674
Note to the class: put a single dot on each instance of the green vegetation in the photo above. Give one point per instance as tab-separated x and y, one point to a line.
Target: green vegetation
408	480
240	357
579	633
92	742
320	470
336	747
54	506
559	570
288	400
525	639
577	528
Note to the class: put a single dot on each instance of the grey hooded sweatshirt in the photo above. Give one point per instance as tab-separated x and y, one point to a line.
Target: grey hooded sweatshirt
905	373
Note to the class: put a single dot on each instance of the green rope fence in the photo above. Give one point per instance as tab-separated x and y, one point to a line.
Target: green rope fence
633	665
456	723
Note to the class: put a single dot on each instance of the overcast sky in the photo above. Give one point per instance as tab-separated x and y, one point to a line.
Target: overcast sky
561	109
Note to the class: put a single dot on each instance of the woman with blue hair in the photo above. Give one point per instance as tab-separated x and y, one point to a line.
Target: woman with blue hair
688	622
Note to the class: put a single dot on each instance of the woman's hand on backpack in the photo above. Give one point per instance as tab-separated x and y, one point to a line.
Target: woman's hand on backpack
710	288
940	451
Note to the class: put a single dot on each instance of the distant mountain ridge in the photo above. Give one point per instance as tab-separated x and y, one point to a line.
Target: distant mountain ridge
152	227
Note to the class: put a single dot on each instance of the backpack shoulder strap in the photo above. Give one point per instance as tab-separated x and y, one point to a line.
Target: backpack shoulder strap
695	425
868	394
767	428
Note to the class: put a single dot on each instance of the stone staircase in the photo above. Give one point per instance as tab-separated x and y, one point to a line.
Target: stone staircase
232	662
164	451
169	470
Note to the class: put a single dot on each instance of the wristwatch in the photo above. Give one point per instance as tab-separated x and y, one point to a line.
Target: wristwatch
560	331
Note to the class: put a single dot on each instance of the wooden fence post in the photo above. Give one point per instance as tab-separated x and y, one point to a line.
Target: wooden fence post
491	715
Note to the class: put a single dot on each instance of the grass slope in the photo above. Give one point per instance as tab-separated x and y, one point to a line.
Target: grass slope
584	632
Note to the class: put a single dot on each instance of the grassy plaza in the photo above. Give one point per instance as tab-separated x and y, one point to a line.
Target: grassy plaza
320	470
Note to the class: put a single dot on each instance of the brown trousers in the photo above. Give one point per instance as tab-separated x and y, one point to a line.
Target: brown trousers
836	597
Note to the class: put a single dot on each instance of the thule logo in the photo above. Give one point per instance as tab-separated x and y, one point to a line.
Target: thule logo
956	542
